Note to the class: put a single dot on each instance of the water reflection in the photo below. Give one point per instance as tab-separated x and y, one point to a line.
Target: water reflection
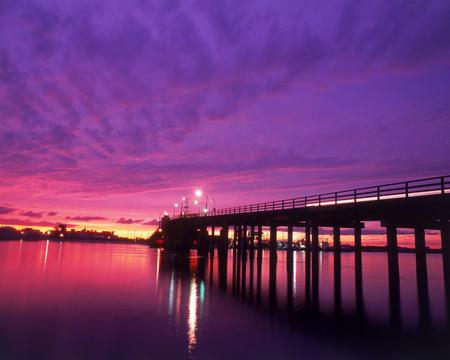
157	305
193	315
288	286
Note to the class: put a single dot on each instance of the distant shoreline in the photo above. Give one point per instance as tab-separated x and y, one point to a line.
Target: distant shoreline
121	241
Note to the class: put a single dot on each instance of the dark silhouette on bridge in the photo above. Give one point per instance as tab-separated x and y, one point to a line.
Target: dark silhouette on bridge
419	205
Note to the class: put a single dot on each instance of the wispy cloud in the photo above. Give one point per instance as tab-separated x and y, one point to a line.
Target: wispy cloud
87	218
32	214
128	221
6	210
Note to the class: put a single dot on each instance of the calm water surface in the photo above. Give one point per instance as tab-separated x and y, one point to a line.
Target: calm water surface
104	301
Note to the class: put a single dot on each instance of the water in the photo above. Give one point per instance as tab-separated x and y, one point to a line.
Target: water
103	301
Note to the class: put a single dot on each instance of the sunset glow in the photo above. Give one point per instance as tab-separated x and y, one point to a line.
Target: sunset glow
108	119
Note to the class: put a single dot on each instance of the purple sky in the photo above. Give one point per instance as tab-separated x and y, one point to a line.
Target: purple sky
111	111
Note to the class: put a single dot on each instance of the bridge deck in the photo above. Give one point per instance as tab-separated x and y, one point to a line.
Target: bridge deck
424	200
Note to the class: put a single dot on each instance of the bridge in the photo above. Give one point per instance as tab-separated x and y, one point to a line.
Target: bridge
419	204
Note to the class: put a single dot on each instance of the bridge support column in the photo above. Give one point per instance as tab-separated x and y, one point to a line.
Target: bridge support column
252	237
445	242
238	259
357	231
239	237
336	239
273	241
394	274
222	250
260	234
213	240
337	270
203	242
222	246
358	273
315	237
244	238
307	237
422	275
290	237
235	234
273	267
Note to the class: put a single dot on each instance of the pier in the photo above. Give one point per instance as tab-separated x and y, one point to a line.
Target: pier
421	205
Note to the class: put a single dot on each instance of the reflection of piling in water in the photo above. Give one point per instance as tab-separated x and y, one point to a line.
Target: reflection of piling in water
238	260
422	277
273	279
258	275
234	259
307	279
273	266
337	270
244	274
315	281
394	275
200	269
222	254
211	268
251	280
358	274
290	279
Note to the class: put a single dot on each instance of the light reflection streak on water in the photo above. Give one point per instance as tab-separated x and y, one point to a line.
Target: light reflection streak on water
46	254
202	292
192	319
294	276
158	255
177	306
59	253
171	295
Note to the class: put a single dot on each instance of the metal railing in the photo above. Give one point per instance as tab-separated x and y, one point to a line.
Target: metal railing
406	189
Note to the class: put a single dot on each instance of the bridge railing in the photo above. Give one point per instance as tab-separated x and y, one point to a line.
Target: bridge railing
414	188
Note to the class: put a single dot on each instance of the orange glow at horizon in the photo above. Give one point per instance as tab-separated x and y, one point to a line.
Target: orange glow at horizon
121	231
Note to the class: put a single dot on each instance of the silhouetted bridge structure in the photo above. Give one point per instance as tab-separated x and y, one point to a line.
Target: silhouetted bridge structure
419	204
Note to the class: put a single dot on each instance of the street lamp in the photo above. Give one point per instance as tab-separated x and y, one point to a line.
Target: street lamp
175	206
199	193
185	200
214	204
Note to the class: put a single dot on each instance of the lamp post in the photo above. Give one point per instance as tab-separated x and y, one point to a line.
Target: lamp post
175	206
196	204
199	193
185	200
214	205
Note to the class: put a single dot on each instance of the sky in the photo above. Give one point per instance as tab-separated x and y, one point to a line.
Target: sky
110	112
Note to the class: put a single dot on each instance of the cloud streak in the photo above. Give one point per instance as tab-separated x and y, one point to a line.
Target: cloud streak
105	104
